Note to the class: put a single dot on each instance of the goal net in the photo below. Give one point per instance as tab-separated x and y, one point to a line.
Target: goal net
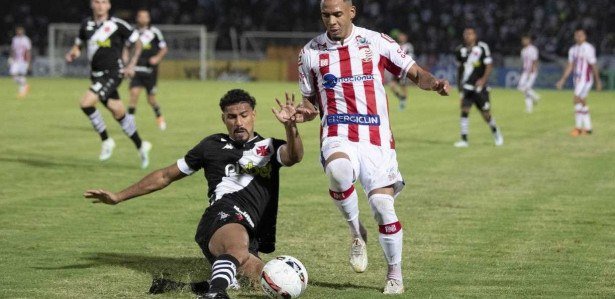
191	47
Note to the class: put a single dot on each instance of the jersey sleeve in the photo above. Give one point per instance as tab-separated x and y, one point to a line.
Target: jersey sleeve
486	56
161	42
396	60
194	160
277	144
81	37
570	56
306	80
591	55
535	54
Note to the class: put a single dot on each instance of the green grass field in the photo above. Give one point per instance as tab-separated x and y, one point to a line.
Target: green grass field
534	218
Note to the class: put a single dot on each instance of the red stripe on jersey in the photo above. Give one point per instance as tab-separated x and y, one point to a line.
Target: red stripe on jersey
372	107
390	66
349	95
331	106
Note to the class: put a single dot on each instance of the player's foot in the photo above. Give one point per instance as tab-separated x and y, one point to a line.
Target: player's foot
587	132
576	132
402	104
358	255
162	125
146	146
363	232
106	149
393	287
498	139
461	143
23	91
211	295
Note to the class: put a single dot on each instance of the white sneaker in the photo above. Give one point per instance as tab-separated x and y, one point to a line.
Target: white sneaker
393	287
498	138
144	153
358	255
461	143
106	149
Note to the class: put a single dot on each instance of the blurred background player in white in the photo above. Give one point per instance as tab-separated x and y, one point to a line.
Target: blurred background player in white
20	59
399	86
529	56
581	59
474	67
146	71
340	73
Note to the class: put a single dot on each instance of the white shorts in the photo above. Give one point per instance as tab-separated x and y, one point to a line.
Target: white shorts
374	166
582	88
19	68
526	82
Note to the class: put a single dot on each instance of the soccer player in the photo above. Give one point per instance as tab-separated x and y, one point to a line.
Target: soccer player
242	173
20	59
341	72
529	56
105	37
474	67
146	71
581	57
400	85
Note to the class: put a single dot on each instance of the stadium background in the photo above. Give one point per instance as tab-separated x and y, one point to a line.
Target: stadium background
434	28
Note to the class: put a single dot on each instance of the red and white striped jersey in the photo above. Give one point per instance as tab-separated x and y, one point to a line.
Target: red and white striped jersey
347	79
582	57
529	54
20	45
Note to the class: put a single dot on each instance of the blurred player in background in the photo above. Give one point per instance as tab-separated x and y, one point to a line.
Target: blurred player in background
146	71
20	59
399	86
242	172
341	71
105	37
474	67
529	56
581	58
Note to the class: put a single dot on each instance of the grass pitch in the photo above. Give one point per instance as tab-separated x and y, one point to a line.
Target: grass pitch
534	218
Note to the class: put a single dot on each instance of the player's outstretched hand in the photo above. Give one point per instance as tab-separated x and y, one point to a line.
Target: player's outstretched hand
288	111
72	55
442	87
102	196
306	111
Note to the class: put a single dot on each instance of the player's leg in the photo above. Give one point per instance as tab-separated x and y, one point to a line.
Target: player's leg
465	103
88	106
151	99
129	126
524	88
484	105
530	88
18	71
229	245
134	91
583	123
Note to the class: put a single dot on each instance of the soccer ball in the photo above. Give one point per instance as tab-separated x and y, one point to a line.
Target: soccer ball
284	277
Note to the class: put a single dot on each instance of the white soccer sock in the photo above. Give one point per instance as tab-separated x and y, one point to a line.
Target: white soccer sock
578	116
343	193
587	121
128	124
533	94
391	233
464	125
529	104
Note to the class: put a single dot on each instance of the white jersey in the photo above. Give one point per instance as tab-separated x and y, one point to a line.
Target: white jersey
582	57
408	48
347	80
529	55
20	46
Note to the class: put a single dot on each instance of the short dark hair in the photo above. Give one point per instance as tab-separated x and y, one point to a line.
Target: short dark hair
235	96
580	29
528	36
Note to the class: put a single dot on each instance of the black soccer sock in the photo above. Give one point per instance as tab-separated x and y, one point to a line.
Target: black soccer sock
130	128
492	125
132	110
223	272
97	121
157	110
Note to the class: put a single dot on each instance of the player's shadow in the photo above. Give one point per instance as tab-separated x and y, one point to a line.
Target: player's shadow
49	162
341	286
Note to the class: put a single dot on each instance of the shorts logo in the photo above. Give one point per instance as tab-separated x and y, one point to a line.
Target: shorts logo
330	80
359	119
223	215
243	216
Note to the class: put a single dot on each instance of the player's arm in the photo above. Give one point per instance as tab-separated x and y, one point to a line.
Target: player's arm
426	81
596	72
152	182
565	75
535	66
73	53
129	70
156	59
480	83
292	152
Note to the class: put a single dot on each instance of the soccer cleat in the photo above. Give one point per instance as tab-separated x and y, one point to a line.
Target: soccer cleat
23	91
576	132
587	132
498	138
106	149
461	143
358	255
402	104
212	295
393	287
144	153
162	125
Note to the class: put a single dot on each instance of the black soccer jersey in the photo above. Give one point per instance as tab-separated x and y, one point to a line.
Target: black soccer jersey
105	41
244	175
152	40
472	62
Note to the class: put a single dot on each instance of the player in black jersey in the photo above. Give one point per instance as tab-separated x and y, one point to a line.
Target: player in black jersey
242	173
105	37
146	71
474	67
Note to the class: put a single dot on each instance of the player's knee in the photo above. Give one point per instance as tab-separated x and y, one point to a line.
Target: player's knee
383	208
340	173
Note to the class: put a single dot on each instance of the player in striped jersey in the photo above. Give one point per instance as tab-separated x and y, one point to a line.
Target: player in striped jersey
581	59
341	72
529	56
20	60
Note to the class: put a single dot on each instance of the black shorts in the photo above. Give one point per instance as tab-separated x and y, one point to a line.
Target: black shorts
215	217
145	80
105	84
480	99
